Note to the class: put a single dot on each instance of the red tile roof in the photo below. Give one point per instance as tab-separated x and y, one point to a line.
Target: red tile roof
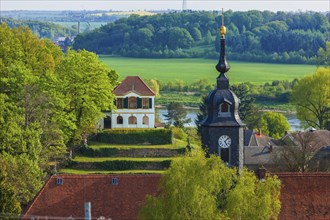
133	84
305	196
120	201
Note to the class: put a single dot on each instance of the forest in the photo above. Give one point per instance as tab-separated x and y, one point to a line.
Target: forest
260	36
41	28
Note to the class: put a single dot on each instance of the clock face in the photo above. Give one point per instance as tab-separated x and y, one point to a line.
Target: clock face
224	141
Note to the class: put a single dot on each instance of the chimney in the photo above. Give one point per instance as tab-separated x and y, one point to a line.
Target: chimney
270	147
261	173
88	211
259	132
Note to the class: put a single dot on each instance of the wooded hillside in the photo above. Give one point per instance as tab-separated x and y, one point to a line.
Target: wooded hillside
254	36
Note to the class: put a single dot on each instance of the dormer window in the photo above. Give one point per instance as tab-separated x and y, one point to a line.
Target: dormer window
224	110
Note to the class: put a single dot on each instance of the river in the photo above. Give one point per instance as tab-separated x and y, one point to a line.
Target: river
192	114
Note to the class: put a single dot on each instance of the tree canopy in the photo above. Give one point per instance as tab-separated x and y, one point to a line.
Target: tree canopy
48	101
196	187
311	97
273	124
193	34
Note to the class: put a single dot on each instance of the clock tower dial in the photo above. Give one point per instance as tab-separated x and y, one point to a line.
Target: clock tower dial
224	141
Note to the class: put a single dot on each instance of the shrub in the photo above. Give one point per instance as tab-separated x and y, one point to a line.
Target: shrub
179	133
135	136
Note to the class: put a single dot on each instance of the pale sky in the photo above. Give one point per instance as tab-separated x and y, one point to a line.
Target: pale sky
126	5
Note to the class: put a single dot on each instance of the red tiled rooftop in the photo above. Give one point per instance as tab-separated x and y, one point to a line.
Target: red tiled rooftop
305	196
133	84
120	201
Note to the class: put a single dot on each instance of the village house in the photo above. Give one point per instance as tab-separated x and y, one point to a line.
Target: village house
135	103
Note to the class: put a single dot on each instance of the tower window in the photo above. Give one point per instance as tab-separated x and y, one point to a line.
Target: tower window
224	107
224	110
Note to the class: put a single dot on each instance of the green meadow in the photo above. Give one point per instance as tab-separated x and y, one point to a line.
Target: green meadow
193	69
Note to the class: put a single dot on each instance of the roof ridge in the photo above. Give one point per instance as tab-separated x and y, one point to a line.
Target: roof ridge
296	174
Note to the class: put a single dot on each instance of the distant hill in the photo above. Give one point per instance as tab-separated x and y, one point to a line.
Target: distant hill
261	36
42	29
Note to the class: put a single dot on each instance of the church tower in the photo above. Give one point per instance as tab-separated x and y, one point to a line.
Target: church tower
222	129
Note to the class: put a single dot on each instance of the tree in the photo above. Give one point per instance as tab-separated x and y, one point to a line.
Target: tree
176	115
273	124
87	90
195	187
201	115
8	202
311	97
243	91
297	155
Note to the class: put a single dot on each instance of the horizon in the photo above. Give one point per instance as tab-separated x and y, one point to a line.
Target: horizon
164	5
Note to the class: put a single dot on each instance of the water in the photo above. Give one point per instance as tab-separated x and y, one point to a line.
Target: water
192	114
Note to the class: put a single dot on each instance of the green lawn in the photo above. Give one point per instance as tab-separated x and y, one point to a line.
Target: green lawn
102	159
74	171
177	144
193	69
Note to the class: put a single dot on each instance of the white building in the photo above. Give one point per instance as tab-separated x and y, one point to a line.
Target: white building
135	103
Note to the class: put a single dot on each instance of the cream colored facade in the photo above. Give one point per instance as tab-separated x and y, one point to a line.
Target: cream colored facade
133	111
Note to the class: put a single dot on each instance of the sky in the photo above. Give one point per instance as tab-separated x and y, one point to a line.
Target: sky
127	5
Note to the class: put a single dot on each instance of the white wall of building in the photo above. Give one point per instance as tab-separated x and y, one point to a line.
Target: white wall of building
126	113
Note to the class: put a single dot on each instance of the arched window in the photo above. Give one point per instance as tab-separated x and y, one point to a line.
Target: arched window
132	120
119	120
145	120
224	110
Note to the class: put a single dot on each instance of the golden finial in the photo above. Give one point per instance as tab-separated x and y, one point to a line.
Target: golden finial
223	28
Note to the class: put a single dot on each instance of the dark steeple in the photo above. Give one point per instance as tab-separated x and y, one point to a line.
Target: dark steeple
222	66
222	129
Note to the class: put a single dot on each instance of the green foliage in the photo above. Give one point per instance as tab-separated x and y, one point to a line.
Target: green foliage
22	175
195	187
8	201
170	35
122	165
47	101
179	133
87	90
312	100
273	124
41	28
135	136
176	115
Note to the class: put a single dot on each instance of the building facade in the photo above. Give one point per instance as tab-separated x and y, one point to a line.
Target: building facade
135	103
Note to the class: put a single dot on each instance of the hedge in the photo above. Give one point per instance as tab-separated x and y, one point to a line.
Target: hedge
139	152
121	165
134	136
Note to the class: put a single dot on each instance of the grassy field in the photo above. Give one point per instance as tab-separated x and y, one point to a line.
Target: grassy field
193	69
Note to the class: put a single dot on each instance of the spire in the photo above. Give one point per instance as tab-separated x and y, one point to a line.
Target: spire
222	66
